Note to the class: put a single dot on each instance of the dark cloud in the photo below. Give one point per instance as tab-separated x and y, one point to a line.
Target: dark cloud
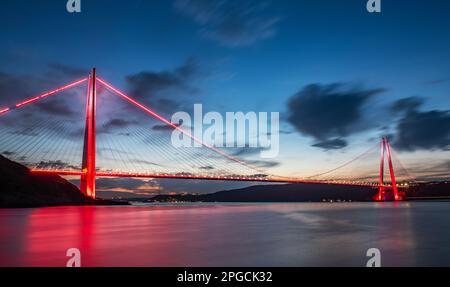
437	82
155	87
283	132
146	162
26	131
7	153
115	124
331	144
57	71
57	165
112	151
330	112
18	87
247	151
421	129
166	105
162	128
76	133
258	175
263	164
407	104
209	167
13	87
443	166
231	23
56	107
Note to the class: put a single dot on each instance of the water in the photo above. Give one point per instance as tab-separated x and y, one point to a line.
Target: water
304	234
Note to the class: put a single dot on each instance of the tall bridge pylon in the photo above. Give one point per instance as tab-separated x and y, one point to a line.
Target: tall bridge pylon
382	195
87	185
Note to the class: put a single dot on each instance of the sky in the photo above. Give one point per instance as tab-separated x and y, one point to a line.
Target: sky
340	77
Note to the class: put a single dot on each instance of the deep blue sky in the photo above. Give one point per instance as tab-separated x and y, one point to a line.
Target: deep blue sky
259	56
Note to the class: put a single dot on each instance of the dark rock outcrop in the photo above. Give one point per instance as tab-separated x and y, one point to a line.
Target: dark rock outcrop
20	188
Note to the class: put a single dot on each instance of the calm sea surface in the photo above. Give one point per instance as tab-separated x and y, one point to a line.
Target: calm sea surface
304	234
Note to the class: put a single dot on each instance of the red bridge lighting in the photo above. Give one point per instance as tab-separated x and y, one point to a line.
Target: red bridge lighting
4	111
88	172
45	95
169	123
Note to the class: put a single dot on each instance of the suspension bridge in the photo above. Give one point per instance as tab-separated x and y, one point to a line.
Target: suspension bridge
82	145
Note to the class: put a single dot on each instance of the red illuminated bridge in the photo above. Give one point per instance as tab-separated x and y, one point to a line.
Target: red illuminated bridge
231	167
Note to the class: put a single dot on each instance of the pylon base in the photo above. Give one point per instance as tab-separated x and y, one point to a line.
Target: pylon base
385	194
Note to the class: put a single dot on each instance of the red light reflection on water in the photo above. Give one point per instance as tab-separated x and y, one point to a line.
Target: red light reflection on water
106	236
222	235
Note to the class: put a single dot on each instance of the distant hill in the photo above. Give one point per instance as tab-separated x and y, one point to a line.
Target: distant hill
20	188
308	193
281	193
430	190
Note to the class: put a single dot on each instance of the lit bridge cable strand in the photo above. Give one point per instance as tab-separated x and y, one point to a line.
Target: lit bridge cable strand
371	149
412	178
266	178
169	123
42	96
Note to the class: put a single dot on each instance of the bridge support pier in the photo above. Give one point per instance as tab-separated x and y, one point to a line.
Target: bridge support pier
87	185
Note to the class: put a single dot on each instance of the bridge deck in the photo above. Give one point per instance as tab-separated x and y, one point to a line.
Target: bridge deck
201	177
